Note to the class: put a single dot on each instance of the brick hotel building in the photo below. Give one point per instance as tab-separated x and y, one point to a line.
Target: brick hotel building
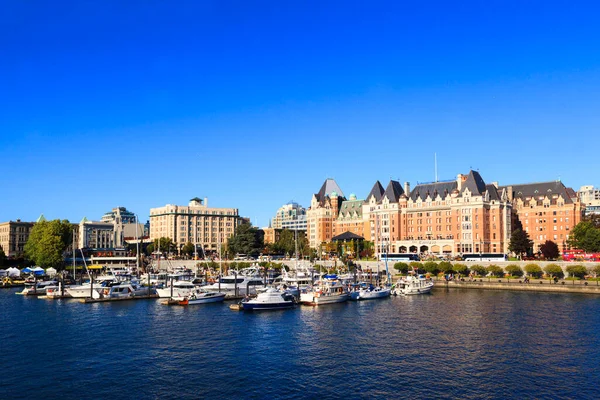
451	217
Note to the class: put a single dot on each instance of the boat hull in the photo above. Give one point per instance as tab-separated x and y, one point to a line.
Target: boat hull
202	300
371	295
313	299
248	306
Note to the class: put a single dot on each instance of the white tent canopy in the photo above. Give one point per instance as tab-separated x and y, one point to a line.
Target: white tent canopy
13	272
51	272
3	272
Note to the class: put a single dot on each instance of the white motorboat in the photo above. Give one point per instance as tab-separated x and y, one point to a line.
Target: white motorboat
178	289
38	288
370	292
327	290
245	282
125	290
200	296
271	299
88	290
412	284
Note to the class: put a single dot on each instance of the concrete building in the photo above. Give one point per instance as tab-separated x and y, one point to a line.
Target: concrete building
590	199
96	235
545	210
290	216
195	223
13	236
125	227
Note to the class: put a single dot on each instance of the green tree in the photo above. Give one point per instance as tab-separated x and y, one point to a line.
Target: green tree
47	242
478	269
585	236
164	245
550	250
461	268
554	270
188	249
246	240
432	267
514	270
401	267
495	270
533	270
286	243
596	270
416	266
578	271
520	243
150	249
446	267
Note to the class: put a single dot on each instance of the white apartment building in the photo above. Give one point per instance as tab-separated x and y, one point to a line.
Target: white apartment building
590	198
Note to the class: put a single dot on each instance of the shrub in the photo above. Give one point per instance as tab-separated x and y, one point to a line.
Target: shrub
416	266
461	269
554	270
478	269
514	270
495	270
431	267
446	267
578	271
597	270
533	270
401	267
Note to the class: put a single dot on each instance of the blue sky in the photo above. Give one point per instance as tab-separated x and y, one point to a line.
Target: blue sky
254	104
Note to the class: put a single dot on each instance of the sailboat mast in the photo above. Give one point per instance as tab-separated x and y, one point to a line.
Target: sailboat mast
73	254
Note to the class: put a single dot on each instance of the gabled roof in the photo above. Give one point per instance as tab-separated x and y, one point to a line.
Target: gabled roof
329	186
350	208
474	183
531	190
376	192
433	189
494	195
393	191
346	236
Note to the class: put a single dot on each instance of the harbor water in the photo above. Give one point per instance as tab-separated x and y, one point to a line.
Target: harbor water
466	344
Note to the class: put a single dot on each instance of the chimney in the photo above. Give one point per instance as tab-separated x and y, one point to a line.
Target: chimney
459	180
509	192
407	188
206	202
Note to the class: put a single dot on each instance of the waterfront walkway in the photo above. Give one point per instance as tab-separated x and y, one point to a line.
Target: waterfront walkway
534	285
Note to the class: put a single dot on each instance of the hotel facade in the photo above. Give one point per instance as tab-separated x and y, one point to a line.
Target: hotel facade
465	215
195	223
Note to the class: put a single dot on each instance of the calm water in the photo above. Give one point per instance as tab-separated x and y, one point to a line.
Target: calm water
455	344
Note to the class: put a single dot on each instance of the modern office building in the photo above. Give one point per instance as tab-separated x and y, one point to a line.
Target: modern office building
195	223
590	199
290	216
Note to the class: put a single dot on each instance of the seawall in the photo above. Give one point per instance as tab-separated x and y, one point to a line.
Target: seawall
535	285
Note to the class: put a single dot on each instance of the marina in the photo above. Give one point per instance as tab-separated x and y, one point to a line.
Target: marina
447	344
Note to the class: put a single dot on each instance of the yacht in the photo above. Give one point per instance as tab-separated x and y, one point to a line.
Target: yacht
326	291
88	290
200	296
412	284
178	289
37	288
271	299
246	282
125	290
371	292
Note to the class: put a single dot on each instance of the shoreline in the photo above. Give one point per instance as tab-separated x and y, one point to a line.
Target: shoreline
535	285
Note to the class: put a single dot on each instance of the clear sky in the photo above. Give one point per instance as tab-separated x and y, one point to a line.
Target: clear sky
255	103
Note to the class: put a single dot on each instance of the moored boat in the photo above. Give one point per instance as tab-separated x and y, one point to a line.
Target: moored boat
200	296
412	284
327	291
38	288
271	299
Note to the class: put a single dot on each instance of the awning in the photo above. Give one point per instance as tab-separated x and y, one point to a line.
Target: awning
95	266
